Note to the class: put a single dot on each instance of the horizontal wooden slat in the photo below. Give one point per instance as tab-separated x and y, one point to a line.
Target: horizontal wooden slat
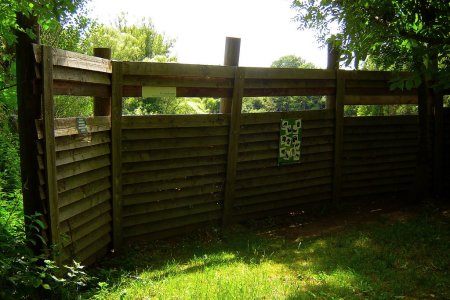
275	117
170	214
82	179
162	144
264	163
82	140
175	163
165	205
380	144
178	81
94	250
96	213
288	73
271	151
380	120
378	152
84	191
279	196
387	136
177	70
74	60
141	177
153	155
142	198
173	223
168	184
74	88
68	126
380	166
80	75
81	206
174	121
74	155
83	166
159	133
350	178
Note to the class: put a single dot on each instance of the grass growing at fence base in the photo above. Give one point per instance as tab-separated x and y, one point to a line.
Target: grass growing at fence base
383	260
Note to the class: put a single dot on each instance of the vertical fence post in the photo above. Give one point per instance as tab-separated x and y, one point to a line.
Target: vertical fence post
332	64
50	150
232	49
338	136
116	142
233	144
28	110
102	106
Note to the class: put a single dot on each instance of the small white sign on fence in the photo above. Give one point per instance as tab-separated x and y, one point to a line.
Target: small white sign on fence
158	91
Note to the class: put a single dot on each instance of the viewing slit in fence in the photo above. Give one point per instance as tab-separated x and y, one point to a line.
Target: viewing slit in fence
110	180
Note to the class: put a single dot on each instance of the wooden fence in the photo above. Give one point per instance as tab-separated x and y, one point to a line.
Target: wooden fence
446	145
125	178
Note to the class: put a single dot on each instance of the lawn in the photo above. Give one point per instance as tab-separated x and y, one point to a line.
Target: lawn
382	255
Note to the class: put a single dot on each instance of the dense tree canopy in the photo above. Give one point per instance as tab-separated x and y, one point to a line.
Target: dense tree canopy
395	34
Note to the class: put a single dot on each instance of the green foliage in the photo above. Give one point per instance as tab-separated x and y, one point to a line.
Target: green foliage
73	106
398	35
131	42
9	153
379	110
170	105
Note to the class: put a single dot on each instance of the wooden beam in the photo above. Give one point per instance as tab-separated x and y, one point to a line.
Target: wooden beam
333	65
231	58
29	109
102	105
116	149
235	125
50	151
338	136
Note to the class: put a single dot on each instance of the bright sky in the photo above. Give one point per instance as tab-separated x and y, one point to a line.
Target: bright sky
200	27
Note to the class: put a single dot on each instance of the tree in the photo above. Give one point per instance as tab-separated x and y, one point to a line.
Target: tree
291	103
396	34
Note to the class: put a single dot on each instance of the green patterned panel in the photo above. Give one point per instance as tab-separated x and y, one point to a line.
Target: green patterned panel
290	141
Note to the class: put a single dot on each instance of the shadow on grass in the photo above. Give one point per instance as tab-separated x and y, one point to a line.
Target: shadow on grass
382	260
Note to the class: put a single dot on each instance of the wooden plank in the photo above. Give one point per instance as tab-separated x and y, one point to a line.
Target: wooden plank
348	163
288	73
154	155
147	176
155	186
162	144
83	191
339	135
174	121
388	136
381	121
93	237
275	127
369	130
173	164
142	198
380	99
83	205
376	75
357	145
80	75
76	235
275	117
74	155
160	133
94	250
102	106
166	205
116	152
174	223
275	137
171	214
83	166
271	92
82	140
374	175
96	213
286	185
50	157
273	208
73	88
68	126
280	196
386	166
80	61
378	152
250	180
136	91
291	83
265	163
178	81
82	179
273	153
233	143
176	70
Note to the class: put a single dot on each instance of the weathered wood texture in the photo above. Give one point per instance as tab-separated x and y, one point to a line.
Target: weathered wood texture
379	156
173	173
264	187
446	152
83	186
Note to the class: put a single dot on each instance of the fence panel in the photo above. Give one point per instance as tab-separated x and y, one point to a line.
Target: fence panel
446	144
262	186
380	156
173	173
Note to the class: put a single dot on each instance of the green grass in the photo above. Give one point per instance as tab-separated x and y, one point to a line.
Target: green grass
407	259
